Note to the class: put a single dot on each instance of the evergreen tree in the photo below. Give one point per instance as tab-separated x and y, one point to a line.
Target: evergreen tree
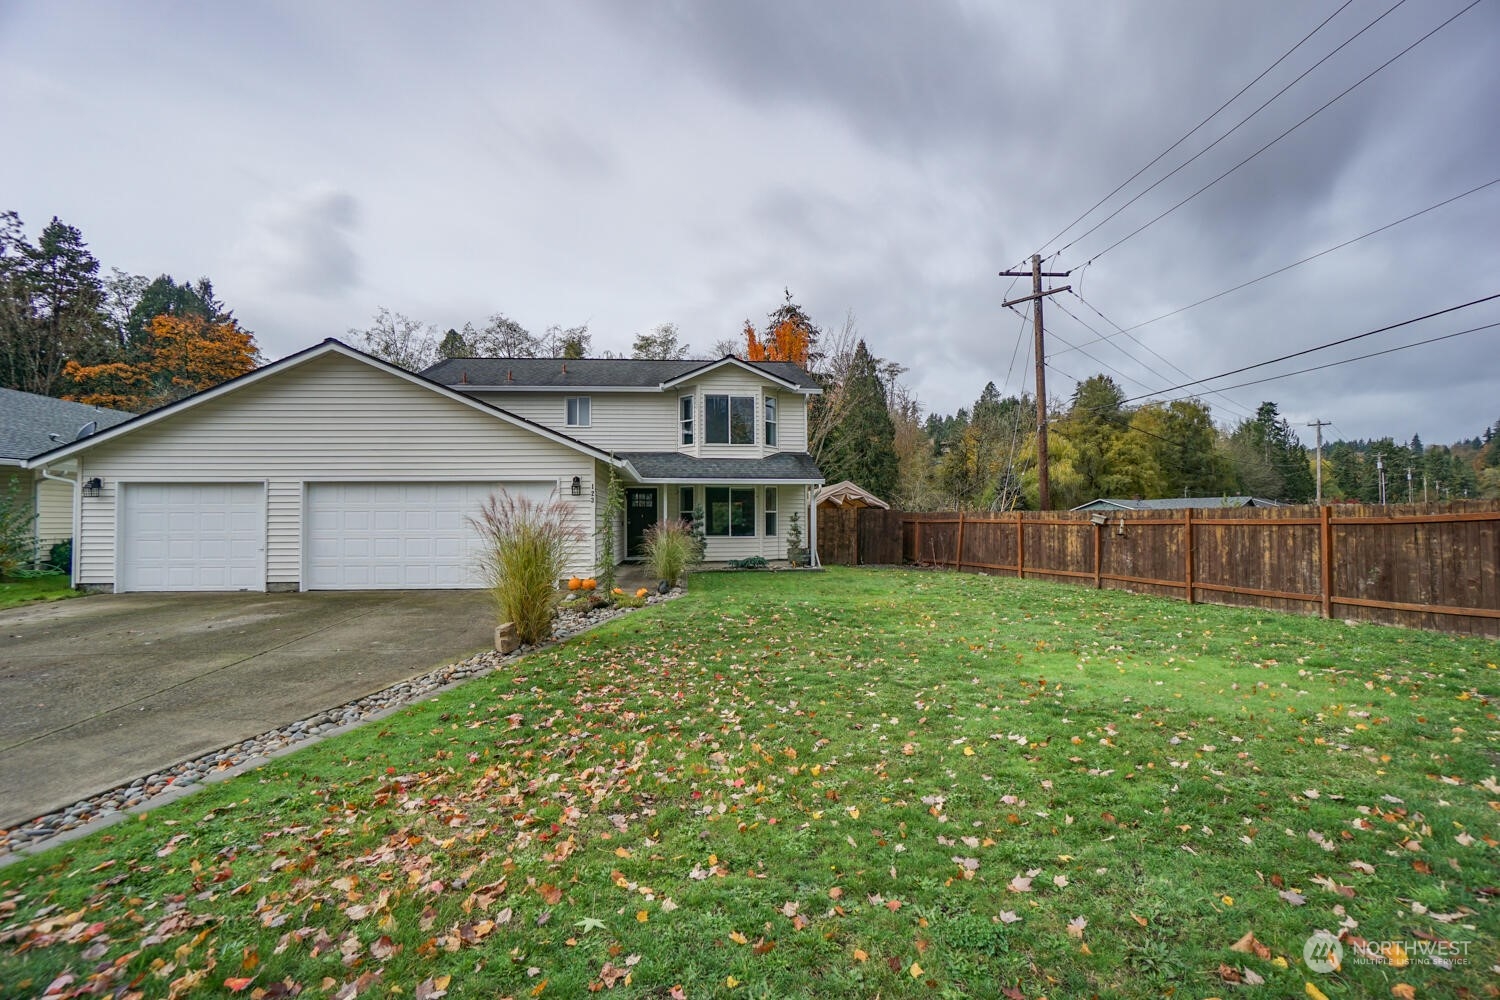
453	344
861	447
52	310
165	297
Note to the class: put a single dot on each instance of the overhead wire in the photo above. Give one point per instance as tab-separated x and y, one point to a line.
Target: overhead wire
1310	257
1233	405
1215	113
1331	343
1343	93
1363	357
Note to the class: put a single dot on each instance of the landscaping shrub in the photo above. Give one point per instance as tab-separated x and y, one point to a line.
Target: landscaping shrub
60	556
16	518
749	562
525	553
670	548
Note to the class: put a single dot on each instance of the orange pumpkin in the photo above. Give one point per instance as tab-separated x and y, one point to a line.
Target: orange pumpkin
642	592
590	583
574	583
618	592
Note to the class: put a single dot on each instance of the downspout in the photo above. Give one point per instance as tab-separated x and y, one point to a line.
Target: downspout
812	528
77	517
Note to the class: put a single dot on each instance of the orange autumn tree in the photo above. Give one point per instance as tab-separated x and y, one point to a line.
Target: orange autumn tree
789	336
180	355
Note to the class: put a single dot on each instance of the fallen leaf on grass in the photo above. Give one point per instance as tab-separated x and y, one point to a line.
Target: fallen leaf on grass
1314	992
1248	945
433	987
1076	926
1405	991
1292	896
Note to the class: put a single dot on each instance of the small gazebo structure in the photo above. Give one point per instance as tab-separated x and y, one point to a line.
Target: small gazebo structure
847	494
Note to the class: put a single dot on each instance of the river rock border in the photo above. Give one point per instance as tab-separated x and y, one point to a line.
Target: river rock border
173	782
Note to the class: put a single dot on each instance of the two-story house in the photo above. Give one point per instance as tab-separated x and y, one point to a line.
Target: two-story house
726	439
331	469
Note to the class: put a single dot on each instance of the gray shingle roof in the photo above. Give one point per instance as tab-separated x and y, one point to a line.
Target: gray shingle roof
27	419
594	373
1177	503
675	467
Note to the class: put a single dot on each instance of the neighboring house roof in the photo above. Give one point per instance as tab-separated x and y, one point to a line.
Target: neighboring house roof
621	374
1178	503
673	467
847	494
28	423
329	346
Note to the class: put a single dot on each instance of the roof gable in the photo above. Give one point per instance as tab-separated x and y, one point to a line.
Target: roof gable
329	346
31	424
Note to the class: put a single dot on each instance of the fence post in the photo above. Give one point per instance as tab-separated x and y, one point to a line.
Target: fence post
1020	548
958	557
1098	541
1187	567
1325	557
917	544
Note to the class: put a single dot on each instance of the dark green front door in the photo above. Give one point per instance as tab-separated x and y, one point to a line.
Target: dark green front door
640	515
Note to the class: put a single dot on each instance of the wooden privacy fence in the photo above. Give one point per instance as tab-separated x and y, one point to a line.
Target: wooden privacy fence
1427	566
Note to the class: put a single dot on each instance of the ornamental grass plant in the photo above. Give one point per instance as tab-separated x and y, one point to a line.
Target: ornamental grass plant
526	546
670	549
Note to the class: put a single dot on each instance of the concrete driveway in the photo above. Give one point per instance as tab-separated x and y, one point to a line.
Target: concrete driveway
97	691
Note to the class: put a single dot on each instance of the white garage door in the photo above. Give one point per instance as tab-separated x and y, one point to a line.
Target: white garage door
407	536
192	536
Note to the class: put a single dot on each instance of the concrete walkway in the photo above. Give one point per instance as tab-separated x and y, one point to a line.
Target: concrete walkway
98	691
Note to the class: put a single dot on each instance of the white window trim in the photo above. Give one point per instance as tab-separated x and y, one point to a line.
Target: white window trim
687	427
731	490
567	405
730	397
771	411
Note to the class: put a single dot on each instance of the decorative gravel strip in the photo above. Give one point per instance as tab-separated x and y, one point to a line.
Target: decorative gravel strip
142	791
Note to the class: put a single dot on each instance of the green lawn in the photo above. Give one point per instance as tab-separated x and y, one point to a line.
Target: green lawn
51	587
856	783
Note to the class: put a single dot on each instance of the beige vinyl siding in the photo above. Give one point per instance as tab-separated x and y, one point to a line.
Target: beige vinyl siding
734	382
54	509
720	548
791	423
329	419
618	421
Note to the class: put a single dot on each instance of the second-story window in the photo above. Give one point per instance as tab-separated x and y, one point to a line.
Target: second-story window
685	415
578	411
729	419
770	405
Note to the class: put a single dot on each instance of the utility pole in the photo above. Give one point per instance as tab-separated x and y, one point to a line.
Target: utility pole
1044	496
1380	472
1319	425
1409	495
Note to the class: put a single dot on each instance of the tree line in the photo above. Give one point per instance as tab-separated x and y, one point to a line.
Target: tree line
124	341
127	342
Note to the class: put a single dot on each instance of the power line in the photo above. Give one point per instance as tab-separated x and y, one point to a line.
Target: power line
1143	227
1080	350
1361	357
1312	257
1229	403
1331	343
1192	131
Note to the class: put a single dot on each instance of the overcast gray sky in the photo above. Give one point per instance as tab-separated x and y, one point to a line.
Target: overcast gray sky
628	164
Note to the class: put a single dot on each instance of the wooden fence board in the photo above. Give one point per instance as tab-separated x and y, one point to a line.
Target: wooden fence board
1434	566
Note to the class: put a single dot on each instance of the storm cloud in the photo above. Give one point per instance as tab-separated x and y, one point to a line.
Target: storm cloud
628	165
